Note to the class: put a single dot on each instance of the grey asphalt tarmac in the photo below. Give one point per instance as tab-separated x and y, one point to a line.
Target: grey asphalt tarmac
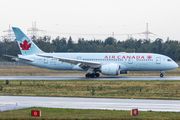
84	78
19	102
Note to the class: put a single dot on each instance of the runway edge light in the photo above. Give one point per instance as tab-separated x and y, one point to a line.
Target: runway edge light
134	112
36	113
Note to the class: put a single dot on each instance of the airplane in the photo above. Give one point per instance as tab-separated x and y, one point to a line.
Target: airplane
93	63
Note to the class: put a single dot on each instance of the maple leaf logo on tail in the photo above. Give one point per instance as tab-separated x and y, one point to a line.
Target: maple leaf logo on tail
25	46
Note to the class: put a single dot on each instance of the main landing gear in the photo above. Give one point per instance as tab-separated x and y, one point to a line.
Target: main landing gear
92	75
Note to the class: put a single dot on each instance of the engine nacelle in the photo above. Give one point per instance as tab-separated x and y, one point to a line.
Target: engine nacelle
110	69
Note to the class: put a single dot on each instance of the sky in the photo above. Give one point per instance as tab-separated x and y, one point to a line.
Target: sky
94	19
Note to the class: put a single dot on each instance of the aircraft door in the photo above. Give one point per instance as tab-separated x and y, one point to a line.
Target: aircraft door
158	60
78	57
45	60
130	61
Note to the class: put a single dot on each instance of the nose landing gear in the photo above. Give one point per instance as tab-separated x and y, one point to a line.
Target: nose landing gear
161	75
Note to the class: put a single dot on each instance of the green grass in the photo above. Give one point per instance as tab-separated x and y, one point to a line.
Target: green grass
101	89
58	113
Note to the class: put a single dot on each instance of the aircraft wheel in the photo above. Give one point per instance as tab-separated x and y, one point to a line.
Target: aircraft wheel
88	75
97	74
161	75
92	75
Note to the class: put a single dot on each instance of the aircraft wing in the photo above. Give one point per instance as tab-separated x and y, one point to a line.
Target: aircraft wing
14	58
83	64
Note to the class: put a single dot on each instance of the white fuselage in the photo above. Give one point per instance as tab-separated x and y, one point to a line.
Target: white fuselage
127	61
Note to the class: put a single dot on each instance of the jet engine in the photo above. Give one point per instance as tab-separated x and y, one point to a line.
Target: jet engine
110	69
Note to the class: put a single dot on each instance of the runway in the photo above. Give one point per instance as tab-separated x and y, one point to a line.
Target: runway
19	102
84	78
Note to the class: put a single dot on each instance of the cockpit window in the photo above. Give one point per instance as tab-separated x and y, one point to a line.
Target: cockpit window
169	60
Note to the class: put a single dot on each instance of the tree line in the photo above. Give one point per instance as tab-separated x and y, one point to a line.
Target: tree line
169	47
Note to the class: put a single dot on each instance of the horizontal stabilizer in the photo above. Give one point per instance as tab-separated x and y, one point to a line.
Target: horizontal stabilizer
14	58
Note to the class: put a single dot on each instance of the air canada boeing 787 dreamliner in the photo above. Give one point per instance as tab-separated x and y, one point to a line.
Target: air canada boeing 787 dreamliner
106	63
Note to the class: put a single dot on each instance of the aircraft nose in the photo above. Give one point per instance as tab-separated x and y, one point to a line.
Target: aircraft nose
176	65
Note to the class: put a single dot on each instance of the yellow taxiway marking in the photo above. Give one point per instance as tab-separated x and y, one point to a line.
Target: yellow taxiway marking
2	104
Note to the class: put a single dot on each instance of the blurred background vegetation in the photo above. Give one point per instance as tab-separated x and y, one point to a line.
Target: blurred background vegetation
169	47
